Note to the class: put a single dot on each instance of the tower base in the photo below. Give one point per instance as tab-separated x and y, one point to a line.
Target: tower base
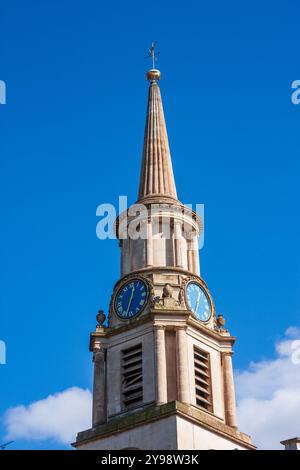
171	426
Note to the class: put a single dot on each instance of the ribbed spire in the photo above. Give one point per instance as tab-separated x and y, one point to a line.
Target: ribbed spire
157	178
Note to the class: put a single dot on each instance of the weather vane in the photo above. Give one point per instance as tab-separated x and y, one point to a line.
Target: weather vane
152	54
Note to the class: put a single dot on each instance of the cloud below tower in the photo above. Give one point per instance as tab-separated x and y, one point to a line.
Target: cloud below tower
268	395
59	417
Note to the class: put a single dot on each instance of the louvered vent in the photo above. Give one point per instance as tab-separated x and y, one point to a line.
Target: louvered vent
132	376
202	379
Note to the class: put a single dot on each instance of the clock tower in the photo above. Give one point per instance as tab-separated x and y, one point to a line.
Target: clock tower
163	375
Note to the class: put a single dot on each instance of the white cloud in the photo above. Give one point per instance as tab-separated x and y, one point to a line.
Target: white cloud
268	395
57	417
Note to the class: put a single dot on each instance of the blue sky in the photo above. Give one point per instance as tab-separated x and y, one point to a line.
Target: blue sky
71	138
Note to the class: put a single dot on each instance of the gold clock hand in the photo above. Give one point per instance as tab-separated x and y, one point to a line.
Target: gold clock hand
130	300
197	303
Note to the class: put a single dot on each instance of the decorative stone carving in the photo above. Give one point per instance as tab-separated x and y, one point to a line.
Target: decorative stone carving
99	353
167	300
181	298
155	299
220	324
167	291
100	317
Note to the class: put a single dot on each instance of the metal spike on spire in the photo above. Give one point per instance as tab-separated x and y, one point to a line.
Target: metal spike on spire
152	54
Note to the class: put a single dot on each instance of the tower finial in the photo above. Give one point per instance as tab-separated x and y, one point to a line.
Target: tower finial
151	53
153	75
157	178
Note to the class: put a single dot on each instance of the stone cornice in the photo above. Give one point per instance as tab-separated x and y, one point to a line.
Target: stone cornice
163	315
164	269
120	329
155	412
213	334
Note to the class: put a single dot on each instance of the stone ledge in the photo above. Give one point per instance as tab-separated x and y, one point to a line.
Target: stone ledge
155	412
213	424
150	317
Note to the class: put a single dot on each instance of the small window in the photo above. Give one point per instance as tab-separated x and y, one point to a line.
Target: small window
132	376
202	379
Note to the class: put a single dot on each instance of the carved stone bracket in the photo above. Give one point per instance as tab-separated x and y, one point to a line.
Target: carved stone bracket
99	353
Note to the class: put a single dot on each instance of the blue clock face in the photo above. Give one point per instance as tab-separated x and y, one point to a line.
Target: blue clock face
131	299
198	301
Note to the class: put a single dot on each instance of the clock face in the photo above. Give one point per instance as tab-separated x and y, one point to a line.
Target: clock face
198	301
131	299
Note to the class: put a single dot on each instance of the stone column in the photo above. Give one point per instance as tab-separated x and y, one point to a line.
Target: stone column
195	255
190	256
178	245
182	366
121	258
161	367
149	244
229	395
99	390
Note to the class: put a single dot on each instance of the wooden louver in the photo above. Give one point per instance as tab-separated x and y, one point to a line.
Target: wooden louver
202	379
132	376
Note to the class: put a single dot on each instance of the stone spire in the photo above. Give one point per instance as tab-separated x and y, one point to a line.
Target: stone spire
157	178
